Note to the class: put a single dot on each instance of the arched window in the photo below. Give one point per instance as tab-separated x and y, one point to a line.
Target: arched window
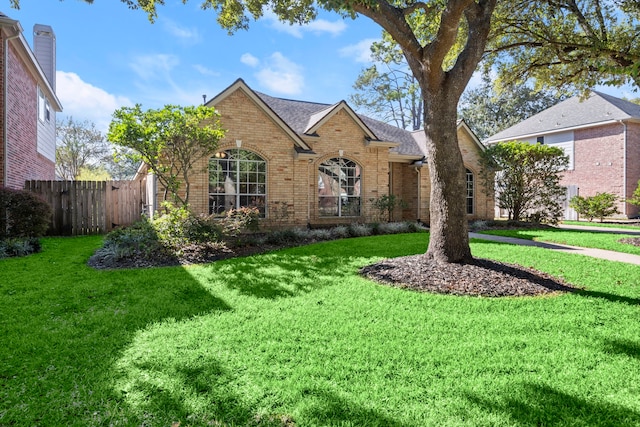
237	178
470	192
339	188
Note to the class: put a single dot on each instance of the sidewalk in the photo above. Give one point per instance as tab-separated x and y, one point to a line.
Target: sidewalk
595	253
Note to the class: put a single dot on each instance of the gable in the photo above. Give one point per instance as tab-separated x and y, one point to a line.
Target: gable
240	88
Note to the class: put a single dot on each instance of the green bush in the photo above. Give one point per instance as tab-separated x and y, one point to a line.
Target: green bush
14	247
385	205
22	214
599	206
179	227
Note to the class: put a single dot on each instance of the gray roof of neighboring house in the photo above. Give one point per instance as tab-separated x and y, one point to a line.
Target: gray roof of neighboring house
301	115
572	113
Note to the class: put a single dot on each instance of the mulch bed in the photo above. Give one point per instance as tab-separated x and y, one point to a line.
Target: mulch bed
481	277
635	241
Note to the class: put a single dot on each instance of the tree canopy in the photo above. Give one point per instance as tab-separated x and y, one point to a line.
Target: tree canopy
170	140
488	111
567	42
79	146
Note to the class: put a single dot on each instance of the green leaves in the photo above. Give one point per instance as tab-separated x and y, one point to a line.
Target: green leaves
527	178
170	141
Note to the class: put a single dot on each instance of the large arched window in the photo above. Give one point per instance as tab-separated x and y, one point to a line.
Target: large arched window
237	178
470	192
339	188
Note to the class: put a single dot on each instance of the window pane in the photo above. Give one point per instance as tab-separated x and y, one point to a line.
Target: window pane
339	188
234	182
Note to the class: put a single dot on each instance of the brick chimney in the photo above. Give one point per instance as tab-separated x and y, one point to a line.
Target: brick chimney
44	48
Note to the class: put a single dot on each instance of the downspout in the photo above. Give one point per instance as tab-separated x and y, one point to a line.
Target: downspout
5	106
624	166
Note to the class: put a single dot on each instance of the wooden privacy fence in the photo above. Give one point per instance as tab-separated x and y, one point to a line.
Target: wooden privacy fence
90	207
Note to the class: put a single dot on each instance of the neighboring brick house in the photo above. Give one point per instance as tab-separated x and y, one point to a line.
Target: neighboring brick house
601	136
303	163
28	105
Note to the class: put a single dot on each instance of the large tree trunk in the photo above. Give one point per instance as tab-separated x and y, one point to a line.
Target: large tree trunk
449	237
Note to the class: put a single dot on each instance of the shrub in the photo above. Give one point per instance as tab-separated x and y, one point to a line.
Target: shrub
23	214
599	206
139	238
238	220
359	230
385	205
635	197
13	247
179	227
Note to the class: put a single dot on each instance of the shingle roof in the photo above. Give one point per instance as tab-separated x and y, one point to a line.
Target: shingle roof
302	115
598	108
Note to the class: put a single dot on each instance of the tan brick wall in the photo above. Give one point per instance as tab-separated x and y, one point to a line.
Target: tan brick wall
404	179
294	181
483	198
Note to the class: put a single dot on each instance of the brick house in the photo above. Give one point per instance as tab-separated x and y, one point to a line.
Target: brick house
601	136
303	163
28	104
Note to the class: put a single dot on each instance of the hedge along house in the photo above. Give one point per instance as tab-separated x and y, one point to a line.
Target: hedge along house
308	164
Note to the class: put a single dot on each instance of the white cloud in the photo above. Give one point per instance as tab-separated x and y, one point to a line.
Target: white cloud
280	75
84	101
185	34
205	71
154	67
249	60
360	52
318	26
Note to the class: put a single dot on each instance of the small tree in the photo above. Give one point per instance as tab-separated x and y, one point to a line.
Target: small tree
600	206
171	141
527	179
385	205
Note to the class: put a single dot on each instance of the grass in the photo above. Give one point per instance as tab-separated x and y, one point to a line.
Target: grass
296	337
585	239
603	225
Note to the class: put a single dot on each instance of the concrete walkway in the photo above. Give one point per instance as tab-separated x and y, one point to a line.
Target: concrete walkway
595	253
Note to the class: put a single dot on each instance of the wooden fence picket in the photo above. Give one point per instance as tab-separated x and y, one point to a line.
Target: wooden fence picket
90	207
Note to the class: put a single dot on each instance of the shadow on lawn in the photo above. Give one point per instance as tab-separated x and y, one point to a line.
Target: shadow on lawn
625	347
327	408
578	291
542	405
75	320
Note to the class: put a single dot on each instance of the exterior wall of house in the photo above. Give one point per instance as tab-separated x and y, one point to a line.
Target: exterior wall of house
633	166
483	204
292	181
405	185
598	162
341	132
24	160
2	103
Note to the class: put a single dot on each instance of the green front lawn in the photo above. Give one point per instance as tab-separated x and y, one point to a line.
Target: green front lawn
296	337
634	227
585	239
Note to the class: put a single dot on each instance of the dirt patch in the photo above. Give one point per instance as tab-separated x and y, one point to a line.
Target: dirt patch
481	277
635	241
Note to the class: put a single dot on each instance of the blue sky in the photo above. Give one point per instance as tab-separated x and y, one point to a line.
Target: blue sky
109	56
